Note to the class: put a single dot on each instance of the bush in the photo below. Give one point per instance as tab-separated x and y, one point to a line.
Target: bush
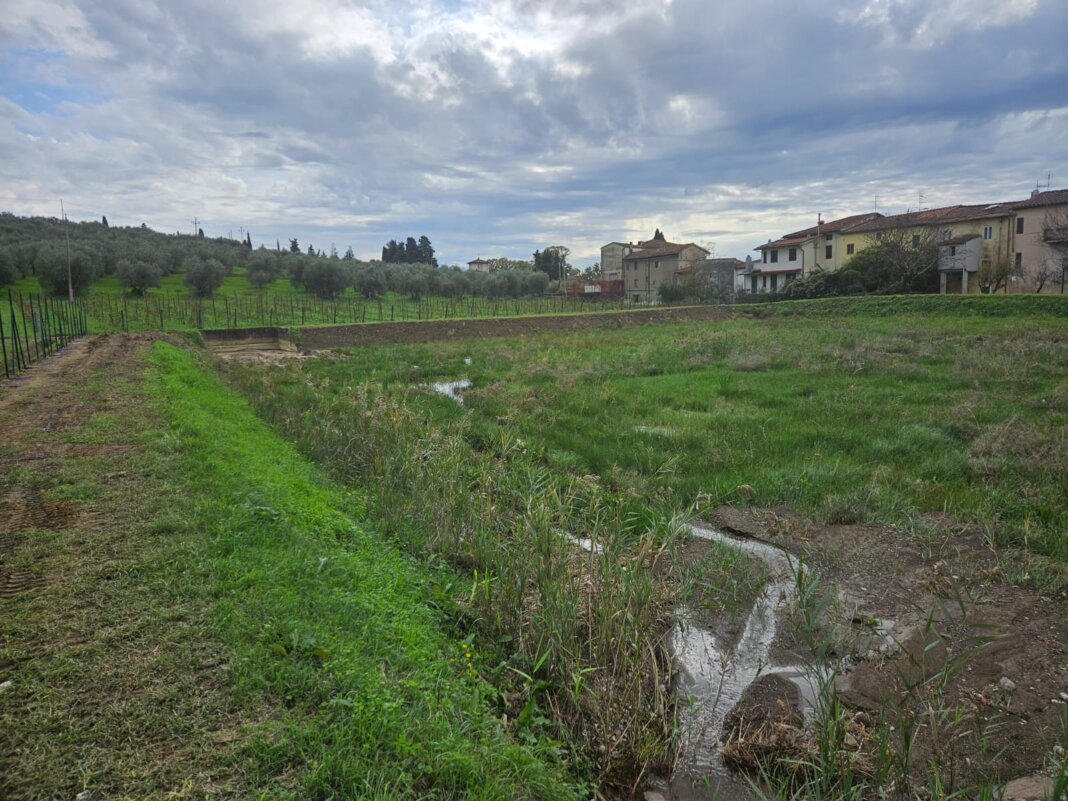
204	276
137	275
672	293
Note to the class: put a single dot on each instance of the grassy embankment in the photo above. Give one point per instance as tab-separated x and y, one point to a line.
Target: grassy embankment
336	667
239	304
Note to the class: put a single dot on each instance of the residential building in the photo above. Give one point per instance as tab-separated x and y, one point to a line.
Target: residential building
712	279
1040	241
648	265
612	260
968	238
799	253
480	265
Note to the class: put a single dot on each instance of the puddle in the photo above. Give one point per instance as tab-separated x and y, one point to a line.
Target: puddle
452	389
713	675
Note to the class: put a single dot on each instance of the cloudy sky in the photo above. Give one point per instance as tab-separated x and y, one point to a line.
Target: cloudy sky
498	126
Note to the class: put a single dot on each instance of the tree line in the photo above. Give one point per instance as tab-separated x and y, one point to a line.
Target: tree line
140	257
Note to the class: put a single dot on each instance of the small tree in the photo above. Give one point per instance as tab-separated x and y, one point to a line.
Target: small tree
994	274
204	276
137	276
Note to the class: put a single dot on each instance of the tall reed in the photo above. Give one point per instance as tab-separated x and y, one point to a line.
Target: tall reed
586	625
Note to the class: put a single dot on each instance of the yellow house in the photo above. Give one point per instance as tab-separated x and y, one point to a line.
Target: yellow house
969	237
798	254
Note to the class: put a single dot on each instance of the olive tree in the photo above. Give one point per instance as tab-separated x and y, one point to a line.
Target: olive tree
137	275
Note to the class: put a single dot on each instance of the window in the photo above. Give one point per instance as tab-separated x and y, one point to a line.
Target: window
952	250
774	283
657	265
988	232
1019	261
793	254
849	249
774	256
827	251
946	236
1019	225
827	237
764	256
916	240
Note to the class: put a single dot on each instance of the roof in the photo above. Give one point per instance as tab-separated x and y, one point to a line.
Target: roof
479	261
785	242
1051	198
940	216
663	249
834	226
959	240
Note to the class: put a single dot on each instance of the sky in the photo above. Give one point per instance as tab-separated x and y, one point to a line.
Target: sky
496	127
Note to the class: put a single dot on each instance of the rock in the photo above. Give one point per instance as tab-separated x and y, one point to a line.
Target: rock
1064	696
1007	684
6	685
1029	788
653	795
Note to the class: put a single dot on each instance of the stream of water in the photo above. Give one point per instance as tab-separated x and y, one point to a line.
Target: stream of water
714	675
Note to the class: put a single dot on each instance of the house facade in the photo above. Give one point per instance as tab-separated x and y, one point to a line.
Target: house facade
712	279
646	266
479	266
799	253
1040	241
968	239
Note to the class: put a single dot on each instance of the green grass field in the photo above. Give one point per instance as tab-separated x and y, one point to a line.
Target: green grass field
881	409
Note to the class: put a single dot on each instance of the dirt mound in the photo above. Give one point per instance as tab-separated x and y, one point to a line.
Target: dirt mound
765	726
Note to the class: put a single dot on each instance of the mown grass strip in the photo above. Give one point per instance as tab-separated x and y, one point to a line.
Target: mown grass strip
332	623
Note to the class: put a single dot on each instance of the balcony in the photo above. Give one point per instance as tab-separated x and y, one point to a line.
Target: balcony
1055	235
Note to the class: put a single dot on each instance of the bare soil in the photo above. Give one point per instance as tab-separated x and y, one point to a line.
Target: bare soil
926	619
114	691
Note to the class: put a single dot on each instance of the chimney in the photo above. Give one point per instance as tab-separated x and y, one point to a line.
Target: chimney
1034	193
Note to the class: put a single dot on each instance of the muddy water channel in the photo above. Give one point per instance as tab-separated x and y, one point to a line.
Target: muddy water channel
714	674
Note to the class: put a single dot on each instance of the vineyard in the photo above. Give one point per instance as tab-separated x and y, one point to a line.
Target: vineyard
112	312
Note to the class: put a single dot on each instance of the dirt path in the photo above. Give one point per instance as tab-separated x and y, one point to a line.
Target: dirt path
110	686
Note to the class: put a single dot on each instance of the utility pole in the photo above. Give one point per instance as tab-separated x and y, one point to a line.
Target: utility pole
66	232
196	225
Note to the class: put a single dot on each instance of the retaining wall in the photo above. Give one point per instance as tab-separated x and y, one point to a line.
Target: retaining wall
340	336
